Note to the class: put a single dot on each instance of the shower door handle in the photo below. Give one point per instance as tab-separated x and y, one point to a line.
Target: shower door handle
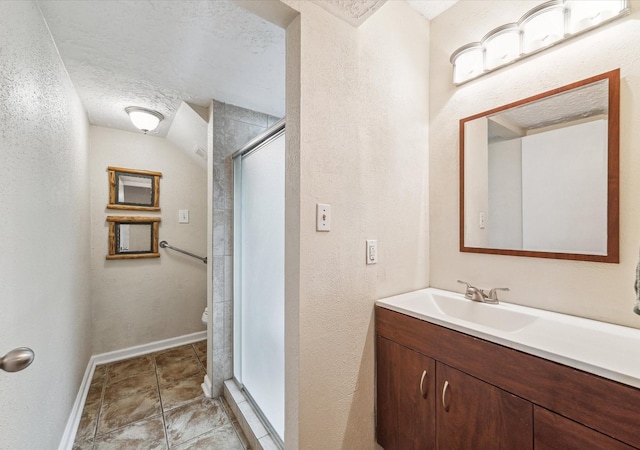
17	359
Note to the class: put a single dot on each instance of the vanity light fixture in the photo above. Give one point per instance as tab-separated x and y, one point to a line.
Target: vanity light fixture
144	119
541	27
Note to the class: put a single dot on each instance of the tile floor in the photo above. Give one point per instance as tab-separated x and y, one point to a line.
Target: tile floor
155	401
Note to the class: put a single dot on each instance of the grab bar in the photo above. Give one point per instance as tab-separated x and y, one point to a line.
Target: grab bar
165	244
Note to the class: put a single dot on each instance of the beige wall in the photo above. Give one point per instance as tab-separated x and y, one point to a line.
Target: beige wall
357	132
140	301
594	290
44	267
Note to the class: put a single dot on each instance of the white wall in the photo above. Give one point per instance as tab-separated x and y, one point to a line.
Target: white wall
596	290
476	189
357	138
44	287
145	300
505	194
564	189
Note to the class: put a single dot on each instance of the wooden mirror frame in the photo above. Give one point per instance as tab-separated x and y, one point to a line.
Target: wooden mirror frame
113	189
117	220
613	176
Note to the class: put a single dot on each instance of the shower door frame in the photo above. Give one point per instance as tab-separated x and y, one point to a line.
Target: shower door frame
273	133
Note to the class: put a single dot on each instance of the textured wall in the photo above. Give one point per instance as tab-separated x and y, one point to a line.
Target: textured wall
233	127
140	301
594	290
44	287
362	128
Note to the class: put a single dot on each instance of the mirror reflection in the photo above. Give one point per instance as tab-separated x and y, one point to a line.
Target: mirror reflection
133	237
539	177
134	189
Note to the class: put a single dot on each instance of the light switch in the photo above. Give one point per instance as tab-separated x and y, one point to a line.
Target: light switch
183	216
482	221
323	217
372	251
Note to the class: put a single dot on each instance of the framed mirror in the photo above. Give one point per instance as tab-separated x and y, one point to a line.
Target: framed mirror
133	237
134	189
540	177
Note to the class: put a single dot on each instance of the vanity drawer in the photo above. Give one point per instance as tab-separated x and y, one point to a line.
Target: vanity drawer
610	407
552	432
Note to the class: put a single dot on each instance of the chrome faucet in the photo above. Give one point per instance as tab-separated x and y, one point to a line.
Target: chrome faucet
478	295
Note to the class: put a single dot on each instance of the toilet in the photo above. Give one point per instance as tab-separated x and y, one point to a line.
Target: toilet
205	316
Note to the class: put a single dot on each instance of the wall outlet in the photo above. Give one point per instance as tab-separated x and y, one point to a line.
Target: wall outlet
183	216
372	251
323	217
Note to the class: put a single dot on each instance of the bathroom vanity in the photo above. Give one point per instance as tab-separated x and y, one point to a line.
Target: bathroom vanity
452	373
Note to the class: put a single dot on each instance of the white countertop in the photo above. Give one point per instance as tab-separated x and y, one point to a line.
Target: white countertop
604	349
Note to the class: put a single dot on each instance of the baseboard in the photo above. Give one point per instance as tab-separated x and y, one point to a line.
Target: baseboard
206	387
138	350
69	435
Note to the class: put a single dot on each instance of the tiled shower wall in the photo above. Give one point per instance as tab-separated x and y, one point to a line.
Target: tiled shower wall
233	127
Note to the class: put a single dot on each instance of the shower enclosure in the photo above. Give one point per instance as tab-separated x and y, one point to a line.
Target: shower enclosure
259	275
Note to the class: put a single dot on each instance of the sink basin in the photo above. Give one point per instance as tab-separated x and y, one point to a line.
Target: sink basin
494	316
595	347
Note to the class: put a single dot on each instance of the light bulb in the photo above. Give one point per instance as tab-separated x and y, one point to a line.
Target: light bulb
144	119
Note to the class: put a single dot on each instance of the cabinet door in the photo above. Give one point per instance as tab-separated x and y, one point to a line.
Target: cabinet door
405	397
554	432
474	414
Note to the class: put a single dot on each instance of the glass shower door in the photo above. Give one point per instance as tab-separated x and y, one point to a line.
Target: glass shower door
259	278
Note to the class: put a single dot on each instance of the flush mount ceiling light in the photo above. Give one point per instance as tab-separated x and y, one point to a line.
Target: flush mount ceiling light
144	119
542	27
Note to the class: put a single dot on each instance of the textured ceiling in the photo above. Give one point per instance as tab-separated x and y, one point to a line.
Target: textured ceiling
358	11
587	101
353	11
157	53
431	8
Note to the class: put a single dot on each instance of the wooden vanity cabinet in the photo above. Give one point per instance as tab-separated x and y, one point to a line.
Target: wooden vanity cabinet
406	392
553	432
496	397
475	414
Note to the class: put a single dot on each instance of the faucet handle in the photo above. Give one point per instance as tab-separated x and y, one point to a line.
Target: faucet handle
472	292
469	287
493	293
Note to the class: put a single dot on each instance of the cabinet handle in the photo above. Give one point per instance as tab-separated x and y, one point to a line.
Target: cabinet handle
445	404
422	391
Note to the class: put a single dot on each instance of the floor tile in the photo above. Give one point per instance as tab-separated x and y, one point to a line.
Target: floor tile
99	374
180	392
88	420
201	348
130	367
127	410
241	435
193	419
125	403
84	445
222	438
181	369
95	393
171	356
126	387
147	434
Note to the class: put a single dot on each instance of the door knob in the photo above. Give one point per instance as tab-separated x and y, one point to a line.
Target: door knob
17	359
